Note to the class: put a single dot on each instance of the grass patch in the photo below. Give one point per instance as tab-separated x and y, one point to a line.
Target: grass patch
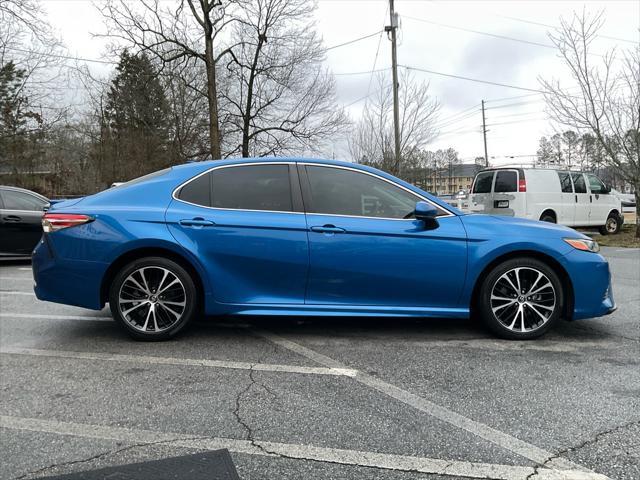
626	238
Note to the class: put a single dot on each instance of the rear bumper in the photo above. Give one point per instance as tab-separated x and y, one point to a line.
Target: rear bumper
72	282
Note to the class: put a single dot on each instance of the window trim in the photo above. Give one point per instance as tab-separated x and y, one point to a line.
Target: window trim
294	203
357	170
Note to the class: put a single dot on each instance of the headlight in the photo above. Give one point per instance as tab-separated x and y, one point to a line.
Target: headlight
583	244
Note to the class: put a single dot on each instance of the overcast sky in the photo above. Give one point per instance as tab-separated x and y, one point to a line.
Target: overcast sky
427	41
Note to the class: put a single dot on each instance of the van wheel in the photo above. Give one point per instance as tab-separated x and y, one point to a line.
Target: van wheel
153	298
548	217
521	299
612	226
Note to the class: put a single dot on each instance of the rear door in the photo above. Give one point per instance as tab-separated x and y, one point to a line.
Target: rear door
481	198
581	199
567	210
506	198
21	217
247	226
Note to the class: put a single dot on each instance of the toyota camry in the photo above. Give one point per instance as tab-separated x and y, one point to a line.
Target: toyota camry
288	236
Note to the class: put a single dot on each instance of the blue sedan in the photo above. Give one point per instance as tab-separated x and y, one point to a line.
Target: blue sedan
288	236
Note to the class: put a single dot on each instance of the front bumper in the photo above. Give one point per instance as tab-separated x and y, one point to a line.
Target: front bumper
591	282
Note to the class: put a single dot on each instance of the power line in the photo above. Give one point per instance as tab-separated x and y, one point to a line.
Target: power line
478	32
478	80
555	27
375	59
353	41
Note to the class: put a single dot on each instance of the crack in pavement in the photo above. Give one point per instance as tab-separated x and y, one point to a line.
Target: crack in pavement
249	436
105	454
586	443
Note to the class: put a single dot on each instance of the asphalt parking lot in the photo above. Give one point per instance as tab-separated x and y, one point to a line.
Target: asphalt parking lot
317	398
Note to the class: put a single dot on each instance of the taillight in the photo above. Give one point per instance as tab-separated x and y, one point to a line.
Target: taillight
52	222
522	185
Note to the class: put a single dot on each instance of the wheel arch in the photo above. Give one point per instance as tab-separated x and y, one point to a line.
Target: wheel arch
567	312
551	211
141	252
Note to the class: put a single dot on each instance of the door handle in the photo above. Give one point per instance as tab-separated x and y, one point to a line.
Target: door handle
327	229
590	198
196	222
576	198
12	218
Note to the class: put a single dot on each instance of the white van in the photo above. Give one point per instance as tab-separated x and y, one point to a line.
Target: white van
574	199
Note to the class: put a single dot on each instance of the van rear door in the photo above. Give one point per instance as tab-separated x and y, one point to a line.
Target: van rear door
506	198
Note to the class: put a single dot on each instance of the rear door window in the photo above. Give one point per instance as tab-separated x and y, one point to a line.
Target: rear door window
578	183
506	181
252	187
483	182
565	182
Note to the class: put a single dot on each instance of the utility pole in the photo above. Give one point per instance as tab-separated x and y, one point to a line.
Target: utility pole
394	69
484	134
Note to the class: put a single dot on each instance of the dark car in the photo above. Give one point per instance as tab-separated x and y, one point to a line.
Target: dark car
20	221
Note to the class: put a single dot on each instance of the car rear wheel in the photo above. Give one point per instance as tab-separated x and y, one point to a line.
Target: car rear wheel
521	299
153	298
612	226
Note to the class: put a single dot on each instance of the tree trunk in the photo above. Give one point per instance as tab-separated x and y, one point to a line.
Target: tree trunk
212	94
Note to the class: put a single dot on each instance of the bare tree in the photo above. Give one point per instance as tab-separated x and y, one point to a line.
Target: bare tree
608	103
372	141
280	97
177	34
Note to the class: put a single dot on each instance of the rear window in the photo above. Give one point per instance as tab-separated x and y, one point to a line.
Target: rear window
506	181
483	182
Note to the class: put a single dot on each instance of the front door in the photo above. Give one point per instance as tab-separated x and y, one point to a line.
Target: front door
245	224
364	251
600	201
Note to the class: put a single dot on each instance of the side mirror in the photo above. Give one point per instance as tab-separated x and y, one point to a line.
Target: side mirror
426	213
607	189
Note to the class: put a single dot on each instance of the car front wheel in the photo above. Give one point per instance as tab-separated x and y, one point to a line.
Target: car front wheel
521	299
153	298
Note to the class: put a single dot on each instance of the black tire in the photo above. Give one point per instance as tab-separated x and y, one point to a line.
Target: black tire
508	312
140	302
548	217
613	225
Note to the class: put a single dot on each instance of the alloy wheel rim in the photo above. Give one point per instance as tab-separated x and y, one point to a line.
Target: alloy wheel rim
523	299
611	225
152	299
